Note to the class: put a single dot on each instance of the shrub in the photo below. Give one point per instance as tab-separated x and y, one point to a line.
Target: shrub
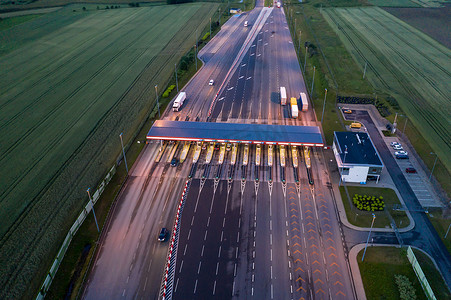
206	36
168	91
368	203
354	100
405	288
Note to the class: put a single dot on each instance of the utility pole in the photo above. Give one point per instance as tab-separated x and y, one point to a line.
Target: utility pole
93	212
210	28
305	59
156	95
364	70
176	81
374	217
313	81
123	153
324	105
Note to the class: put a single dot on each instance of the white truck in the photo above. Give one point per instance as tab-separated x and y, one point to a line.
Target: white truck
283	95
179	101
294	108
304	102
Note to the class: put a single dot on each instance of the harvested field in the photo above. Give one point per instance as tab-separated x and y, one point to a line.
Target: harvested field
65	98
408	3
404	62
435	22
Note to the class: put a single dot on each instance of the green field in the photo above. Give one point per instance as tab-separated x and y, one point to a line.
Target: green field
404	62
65	98
408	3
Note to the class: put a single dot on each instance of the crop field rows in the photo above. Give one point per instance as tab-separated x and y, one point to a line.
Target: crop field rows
408	3
404	62
64	101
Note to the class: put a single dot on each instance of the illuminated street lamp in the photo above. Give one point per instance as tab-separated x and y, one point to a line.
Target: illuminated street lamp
374	217
93	212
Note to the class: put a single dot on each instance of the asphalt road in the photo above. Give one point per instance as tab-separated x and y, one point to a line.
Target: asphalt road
265	233
424	235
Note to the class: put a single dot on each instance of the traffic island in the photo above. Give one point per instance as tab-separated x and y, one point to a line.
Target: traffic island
364	201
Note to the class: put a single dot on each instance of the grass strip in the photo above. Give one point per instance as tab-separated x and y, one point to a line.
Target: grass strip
364	218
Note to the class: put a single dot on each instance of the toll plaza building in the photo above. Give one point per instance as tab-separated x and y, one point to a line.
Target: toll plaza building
356	156
236	133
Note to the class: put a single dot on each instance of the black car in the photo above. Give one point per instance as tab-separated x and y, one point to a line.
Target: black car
402	156
163	234
174	162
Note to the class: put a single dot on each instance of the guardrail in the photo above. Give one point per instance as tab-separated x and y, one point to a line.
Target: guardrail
419	272
78	222
168	277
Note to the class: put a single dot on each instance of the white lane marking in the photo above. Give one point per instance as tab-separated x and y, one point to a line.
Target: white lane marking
249	78
272	292
290	42
266	30
260	40
265	44
177	284
195	287
208	222
286	27
222	98
205	236
192	221
123	293
258	54
223	222
198	268
271	255
181	265
219	252
230	88
214	287
184	251
260	32
252	54
217	267
270	238
128	278
145	284
270	224
189	233
222	235
241	77
243	65
271	272
202	253
252	46
234	271
233	288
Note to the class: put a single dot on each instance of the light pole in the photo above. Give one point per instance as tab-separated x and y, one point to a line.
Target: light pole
123	153
432	171
93	212
156	95
195	54
324	105
300	35
446	234
305	59
176	81
210	28
313	81
368	239
405	124
343	165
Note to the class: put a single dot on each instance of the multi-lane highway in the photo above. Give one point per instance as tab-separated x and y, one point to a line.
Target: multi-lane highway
252	224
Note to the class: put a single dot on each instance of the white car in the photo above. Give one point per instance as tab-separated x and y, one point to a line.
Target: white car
398	147
400	153
212	82
394	144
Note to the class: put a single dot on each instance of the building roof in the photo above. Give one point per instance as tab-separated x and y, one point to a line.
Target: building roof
359	149
234	132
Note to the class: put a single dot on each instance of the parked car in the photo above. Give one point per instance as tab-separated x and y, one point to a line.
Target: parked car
347	111
411	170
402	156
174	162
400	153
394	144
212	82
229	147
397	147
163	234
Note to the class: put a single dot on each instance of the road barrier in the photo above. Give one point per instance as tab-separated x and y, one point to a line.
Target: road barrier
419	272
77	224
168	277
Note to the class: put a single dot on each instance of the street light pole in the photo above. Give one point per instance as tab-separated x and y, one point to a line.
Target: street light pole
123	153
305	59
93	212
176	81
405	124
313	81
324	105
300	35
368	239
156	95
210	28
433	167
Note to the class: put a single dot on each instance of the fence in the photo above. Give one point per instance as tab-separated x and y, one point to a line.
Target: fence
59	257
419	272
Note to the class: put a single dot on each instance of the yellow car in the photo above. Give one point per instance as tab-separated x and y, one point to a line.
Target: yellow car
348	111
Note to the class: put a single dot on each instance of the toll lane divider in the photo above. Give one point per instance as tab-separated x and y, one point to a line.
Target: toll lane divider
167	283
264	14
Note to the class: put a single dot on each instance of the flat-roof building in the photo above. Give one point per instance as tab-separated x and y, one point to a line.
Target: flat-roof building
356	157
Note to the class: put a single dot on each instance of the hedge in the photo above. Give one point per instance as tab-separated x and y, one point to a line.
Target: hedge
368	203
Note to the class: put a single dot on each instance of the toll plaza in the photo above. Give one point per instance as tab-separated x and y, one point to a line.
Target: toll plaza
236	133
